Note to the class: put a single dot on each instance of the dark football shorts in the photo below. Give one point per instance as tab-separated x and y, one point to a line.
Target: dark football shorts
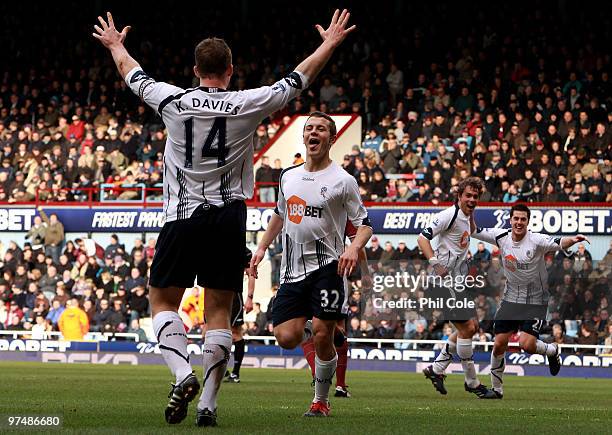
456	315
210	245
513	317
321	294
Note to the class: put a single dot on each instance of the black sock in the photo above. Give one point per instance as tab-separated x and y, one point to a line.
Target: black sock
238	356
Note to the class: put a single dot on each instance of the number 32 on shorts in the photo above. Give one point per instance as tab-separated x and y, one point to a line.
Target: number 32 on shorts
330	298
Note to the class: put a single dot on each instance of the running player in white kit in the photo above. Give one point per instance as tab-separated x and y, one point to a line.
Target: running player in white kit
525	300
208	175
340	340
315	201
453	227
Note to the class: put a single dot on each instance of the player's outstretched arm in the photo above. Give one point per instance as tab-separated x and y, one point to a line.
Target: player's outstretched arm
332	38
274	228
568	242
112	39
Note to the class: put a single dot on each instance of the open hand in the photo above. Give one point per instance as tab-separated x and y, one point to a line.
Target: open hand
108	35
347	262
580	238
248	305
337	31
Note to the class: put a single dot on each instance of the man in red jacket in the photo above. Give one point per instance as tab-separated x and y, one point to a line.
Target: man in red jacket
76	129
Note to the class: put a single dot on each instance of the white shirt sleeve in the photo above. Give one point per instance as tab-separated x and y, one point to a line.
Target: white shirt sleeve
356	211
281	203
269	99
547	243
439	224
151	92
489	235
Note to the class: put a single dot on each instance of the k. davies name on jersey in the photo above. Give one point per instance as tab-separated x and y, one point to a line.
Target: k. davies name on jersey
219	105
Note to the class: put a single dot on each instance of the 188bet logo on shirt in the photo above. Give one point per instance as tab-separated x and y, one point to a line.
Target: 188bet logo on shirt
297	209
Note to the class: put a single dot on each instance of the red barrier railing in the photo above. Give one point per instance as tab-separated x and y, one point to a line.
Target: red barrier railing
151	197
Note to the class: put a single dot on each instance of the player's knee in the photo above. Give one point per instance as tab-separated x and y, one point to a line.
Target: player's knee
287	339
165	299
527	343
322	336
468	330
324	342
499	349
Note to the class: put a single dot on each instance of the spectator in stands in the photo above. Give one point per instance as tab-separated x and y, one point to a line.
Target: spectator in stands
139	261
135	280
139	303
73	322
102	317
482	253
390	155
353	329
253	329
117	320
421	333
260	317
374	251
120	268
366	330
265	175
37	232
385	330
386	257
136	329
587	336
55	312
54	235
373	140
114	245
260	139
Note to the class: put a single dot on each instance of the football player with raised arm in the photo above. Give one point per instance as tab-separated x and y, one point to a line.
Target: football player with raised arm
208	175
525	300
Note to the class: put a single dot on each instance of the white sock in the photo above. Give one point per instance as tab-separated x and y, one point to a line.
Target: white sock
172	342
445	357
545	348
498	364
217	347
324	373
465	353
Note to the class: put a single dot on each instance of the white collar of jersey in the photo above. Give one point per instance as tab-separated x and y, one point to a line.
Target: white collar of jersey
518	242
460	211
211	90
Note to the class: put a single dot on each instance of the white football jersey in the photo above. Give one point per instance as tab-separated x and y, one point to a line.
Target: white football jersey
209	151
452	228
315	207
523	261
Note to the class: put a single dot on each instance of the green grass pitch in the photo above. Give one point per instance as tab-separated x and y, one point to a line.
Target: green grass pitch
125	399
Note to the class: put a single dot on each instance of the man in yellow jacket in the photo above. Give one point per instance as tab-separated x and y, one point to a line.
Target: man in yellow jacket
73	323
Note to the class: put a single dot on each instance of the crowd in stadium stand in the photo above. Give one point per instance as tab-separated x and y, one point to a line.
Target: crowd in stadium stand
531	116
511	97
51	284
